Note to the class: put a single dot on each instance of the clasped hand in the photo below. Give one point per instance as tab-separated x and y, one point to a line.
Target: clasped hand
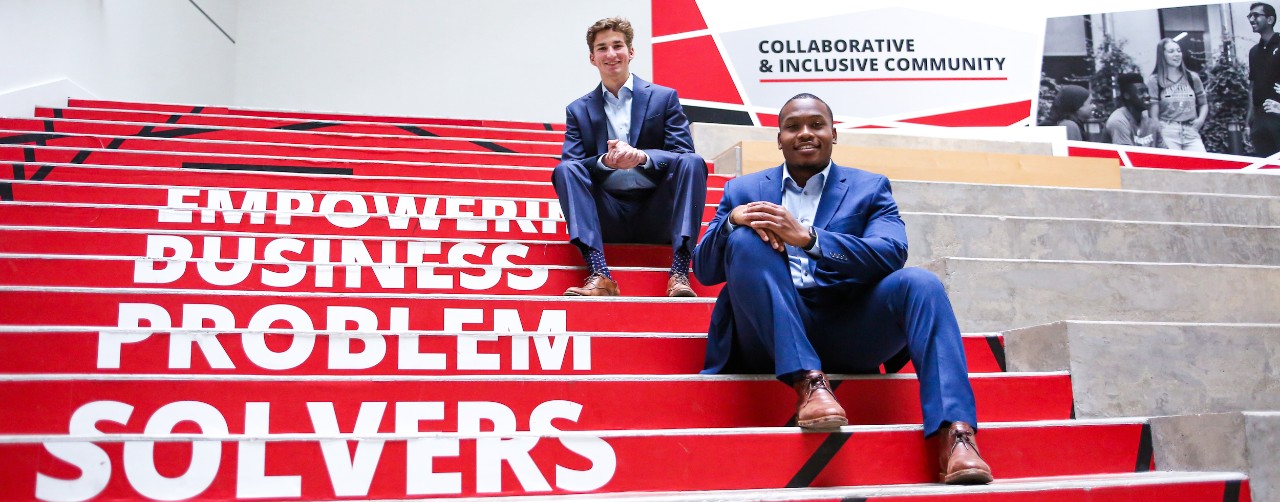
773	223
623	156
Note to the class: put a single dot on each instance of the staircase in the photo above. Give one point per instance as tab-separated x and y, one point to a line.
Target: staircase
217	303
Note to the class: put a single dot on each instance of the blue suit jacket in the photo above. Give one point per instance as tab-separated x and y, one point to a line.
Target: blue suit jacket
658	126
862	240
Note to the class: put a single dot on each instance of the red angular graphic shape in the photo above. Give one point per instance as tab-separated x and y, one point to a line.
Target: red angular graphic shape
695	68
1182	162
990	116
676	16
1075	151
768	119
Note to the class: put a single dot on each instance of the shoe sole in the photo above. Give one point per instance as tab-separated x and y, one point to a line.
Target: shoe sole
967	477
683	294
824	423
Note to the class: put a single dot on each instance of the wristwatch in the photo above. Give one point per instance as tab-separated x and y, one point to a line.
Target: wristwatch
813	239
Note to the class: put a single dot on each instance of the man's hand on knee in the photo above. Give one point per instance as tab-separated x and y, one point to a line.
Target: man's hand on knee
623	156
754	214
776	221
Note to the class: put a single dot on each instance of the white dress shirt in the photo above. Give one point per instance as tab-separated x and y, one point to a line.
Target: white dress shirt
617	112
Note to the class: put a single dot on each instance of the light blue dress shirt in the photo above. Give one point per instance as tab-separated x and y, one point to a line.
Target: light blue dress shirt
617	111
802	203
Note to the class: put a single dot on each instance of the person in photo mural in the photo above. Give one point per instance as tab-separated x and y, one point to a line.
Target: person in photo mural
1264	77
1178	99
1130	124
1071	108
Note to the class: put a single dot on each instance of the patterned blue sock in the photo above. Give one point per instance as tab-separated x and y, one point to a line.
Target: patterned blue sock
680	262
595	261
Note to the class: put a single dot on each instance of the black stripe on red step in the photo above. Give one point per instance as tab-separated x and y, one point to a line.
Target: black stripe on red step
418	131
1146	452
494	147
997	350
819	460
306	126
269	169
35	137
1231	493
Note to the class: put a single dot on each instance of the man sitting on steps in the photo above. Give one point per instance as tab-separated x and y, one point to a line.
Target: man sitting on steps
628	172
812	254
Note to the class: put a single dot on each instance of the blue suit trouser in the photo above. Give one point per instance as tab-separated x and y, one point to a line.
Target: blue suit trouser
670	213
786	330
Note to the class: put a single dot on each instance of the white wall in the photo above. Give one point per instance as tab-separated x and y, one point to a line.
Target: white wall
153	50
497	59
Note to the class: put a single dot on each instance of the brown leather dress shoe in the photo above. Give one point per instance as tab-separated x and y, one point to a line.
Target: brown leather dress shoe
596	285
816	406
678	286
961	464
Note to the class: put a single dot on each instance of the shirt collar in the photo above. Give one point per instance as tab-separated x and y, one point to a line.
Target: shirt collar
819	179
628	85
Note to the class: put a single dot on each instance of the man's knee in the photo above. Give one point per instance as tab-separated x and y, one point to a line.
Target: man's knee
915	280
743	241
568	169
690	163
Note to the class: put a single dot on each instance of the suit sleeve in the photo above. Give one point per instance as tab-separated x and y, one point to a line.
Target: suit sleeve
574	148
881	250
676	138
708	256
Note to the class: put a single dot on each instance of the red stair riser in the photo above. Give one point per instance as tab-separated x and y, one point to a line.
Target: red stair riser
10	153
276	123
614	404
269	136
1201	491
697	462
345	213
619	355
32	307
304	273
183	145
219	110
337	167
165	177
72	241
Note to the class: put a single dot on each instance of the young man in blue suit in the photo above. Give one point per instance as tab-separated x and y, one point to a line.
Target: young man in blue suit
628	172
812	255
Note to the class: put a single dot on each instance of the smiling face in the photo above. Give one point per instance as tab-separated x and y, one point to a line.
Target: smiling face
610	55
1259	21
1137	96
805	134
1172	54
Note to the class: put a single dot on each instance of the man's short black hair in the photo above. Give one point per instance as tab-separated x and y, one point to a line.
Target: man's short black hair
805	95
1267	9
1125	80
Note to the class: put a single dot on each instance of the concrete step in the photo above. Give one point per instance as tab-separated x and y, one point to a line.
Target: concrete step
260	112
1152	369
1162	486
410	463
94	349
305	124
144	130
496	154
932	236
607	402
1260	182
1047	202
996	295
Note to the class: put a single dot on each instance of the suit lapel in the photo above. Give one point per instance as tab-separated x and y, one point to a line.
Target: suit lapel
771	185
833	193
599	121
639	106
